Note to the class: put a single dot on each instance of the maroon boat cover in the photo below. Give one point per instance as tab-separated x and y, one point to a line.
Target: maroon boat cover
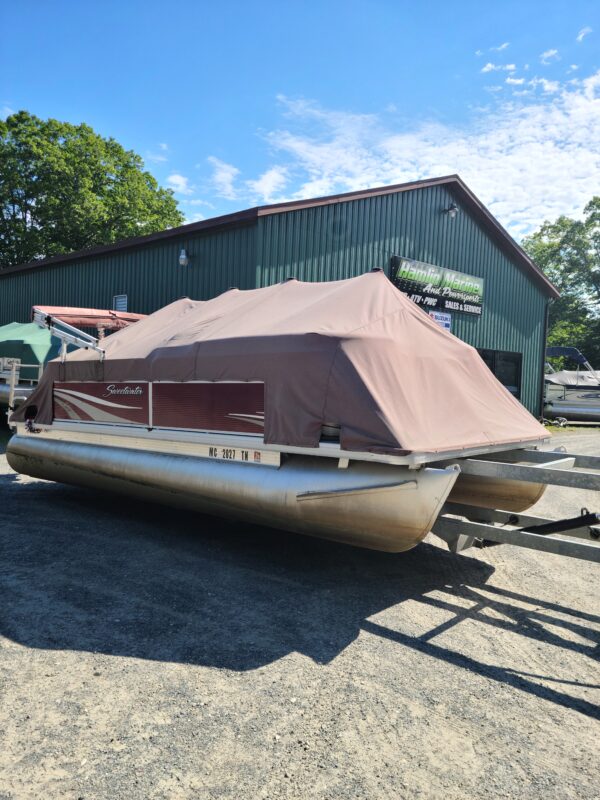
90	317
355	353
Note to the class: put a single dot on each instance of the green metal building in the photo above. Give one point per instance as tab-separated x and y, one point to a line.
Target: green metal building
434	238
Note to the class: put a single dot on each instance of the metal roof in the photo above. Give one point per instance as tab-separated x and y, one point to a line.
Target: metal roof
250	215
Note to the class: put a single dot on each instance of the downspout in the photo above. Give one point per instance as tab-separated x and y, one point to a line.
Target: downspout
545	344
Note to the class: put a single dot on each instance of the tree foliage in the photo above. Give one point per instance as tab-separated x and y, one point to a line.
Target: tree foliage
568	251
63	188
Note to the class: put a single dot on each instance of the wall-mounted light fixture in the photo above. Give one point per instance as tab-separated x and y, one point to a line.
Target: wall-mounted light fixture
184	259
452	210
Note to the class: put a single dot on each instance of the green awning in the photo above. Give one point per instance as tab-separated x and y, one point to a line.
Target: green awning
29	343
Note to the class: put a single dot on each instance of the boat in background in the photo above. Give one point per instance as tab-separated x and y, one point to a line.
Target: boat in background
571	394
25	348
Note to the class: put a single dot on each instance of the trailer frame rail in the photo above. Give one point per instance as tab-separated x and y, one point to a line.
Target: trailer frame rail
462	526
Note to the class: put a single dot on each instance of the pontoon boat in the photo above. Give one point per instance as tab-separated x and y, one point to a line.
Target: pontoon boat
572	394
336	409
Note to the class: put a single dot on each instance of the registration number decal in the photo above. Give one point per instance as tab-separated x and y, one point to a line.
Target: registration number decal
246	456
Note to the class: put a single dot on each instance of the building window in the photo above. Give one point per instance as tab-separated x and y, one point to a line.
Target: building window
120	302
506	367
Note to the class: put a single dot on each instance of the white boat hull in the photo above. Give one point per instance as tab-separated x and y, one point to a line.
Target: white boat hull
377	506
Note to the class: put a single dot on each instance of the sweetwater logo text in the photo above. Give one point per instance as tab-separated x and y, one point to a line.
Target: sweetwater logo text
112	390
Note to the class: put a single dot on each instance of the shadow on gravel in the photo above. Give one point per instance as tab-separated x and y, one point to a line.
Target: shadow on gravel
98	573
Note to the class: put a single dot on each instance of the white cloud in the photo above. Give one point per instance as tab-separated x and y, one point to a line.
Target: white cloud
550	87
269	185
199	202
528	159
493	89
180	184
6	111
500	47
195	217
583	33
548	56
156	158
478	52
223	178
489	67
515	81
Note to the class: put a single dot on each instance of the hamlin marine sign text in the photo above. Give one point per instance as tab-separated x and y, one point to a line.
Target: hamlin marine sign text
437	288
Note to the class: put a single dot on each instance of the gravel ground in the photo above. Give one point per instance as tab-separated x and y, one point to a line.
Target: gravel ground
146	653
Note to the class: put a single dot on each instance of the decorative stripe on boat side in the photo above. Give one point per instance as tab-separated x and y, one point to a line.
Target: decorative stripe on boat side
254	419
97	400
90	409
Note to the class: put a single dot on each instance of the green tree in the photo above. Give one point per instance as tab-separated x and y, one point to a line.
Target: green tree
63	188
568	251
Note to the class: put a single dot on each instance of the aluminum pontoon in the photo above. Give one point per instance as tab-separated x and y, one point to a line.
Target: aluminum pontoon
328	409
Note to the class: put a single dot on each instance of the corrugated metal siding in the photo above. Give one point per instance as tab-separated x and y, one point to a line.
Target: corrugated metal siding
327	242
346	239
150	276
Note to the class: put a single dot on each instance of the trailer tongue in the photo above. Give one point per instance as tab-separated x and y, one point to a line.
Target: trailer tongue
464	525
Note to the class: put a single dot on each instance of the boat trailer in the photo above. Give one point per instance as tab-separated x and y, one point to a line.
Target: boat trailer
462	526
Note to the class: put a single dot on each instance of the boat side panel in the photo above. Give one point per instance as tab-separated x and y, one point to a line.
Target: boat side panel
102	402
232	407
235	407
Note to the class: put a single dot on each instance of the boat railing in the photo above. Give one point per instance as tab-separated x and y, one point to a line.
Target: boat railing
10	373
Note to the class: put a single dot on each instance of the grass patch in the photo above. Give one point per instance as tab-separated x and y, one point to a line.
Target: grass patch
572	429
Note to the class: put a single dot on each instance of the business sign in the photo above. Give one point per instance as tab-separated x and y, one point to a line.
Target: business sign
437	288
442	318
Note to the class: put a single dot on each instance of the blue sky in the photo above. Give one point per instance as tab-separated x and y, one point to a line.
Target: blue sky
235	104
